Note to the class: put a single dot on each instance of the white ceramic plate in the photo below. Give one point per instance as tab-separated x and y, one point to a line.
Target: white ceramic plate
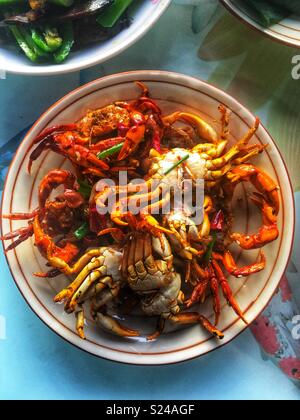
173	91
287	31
144	14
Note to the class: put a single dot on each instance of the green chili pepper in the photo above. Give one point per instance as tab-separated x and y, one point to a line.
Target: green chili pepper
109	152
208	255
113	13
52	38
85	188
27	36
82	231
11	2
68	42
30	53
177	164
63	3
39	40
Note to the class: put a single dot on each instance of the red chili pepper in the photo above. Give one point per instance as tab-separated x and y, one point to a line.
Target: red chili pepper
157	133
218	221
123	129
147	105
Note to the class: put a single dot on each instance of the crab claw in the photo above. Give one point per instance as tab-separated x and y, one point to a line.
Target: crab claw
113	326
204	130
53	130
246	271
135	135
265	235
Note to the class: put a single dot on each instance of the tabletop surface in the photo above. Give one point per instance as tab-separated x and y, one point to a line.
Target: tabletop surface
201	39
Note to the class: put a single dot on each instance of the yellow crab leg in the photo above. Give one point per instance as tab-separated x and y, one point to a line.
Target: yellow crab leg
214	175
95	289
205	130
235	150
194	318
71	289
86	284
253	151
211	150
77	267
80	323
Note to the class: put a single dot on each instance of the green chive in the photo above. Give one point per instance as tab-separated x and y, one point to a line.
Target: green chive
81	232
85	189
110	152
177	164
208	255
112	14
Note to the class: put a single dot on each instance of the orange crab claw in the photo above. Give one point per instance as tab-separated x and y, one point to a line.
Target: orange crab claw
267	200
134	136
265	235
45	243
53	180
246	271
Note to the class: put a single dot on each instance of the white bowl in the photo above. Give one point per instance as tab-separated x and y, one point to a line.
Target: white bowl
143	15
173	91
286	32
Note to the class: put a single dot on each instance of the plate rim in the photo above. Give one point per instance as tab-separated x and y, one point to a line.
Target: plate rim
281	39
186	81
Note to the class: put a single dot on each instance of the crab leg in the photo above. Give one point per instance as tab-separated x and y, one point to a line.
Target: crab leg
214	287
204	130
28	232
80	319
104	298
21	216
248	153
202	279
234	151
159	330
95	289
211	150
195	318
93	276
218	174
225	121
113	326
227	291
53	130
83	265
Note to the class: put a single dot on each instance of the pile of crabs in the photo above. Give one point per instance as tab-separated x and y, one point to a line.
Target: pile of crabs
162	262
